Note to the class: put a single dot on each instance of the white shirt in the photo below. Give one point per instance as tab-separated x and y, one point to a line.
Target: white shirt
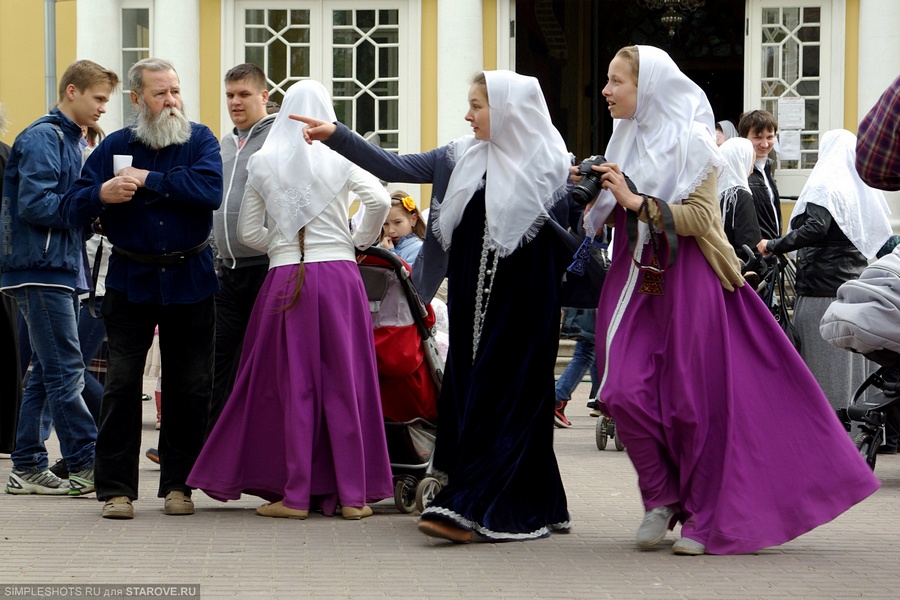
328	236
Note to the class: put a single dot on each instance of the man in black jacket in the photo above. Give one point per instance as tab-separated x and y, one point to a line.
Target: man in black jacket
760	127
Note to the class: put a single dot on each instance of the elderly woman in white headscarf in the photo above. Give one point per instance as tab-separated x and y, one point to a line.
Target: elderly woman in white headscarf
691	357
489	233
303	427
837	224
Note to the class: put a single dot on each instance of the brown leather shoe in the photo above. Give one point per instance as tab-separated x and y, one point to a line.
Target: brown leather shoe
445	531
280	511
178	503
353	513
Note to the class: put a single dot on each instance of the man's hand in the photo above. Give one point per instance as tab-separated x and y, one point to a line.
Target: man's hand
119	189
315	130
139	174
761	247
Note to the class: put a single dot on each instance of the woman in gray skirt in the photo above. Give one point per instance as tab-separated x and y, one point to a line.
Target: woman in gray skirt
837	224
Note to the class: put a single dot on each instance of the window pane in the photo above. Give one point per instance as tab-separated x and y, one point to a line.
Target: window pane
811	61
278	19
342	17
256	35
255	55
254	17
299	62
388	17
343	62
771	16
365	19
135	28
808	88
296	35
812	15
791	18
277	64
300	17
389	62
365	114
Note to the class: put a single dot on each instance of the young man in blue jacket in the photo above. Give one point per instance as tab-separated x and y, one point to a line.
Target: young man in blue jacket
43	266
157	213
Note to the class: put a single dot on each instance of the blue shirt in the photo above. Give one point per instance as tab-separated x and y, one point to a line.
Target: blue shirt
408	248
171	213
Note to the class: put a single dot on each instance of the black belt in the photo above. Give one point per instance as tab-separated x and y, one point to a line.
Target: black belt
169	258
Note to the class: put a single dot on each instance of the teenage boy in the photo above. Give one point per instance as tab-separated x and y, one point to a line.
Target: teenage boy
760	127
42	261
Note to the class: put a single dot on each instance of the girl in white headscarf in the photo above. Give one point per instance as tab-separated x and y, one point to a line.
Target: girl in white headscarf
303	427
735	199
488	232
691	358
837	224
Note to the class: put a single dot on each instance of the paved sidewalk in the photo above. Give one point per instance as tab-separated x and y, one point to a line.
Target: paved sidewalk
228	551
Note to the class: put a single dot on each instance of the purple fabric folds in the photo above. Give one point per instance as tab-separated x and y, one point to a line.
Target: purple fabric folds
304	421
719	414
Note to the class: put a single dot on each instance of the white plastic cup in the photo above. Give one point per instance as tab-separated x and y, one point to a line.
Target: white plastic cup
120	161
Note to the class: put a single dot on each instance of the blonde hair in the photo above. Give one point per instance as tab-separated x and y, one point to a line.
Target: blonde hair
4	122
631	55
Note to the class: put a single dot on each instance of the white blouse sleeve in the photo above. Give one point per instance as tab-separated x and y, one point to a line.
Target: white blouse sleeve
377	203
251	228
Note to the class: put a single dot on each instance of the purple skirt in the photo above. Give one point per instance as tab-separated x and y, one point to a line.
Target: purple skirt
303	423
718	413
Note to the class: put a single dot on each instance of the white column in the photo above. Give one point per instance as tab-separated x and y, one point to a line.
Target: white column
98	35
175	32
460	56
879	64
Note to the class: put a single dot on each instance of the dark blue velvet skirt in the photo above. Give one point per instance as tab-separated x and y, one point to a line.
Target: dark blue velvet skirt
495	414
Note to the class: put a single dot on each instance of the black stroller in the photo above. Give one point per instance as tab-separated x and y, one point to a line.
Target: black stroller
409	372
871	415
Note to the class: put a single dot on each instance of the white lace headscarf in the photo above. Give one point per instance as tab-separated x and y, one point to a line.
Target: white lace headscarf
297	180
526	163
739	156
860	211
669	147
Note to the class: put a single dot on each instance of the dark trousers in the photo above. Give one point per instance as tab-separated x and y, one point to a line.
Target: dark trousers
10	373
238	289
186	345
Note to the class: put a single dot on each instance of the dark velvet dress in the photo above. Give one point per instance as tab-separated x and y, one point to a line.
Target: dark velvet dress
495	415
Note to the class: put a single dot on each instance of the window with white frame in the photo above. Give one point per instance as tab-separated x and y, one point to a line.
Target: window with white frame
362	51
135	47
795	50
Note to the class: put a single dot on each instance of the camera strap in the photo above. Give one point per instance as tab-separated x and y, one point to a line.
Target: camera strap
668	233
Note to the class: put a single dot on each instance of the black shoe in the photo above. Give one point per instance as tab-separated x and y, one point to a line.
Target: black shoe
60	469
146	398
881	450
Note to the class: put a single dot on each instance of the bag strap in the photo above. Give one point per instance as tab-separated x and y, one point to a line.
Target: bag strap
95	277
671	238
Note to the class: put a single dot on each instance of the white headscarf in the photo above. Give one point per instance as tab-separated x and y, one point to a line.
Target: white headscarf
526	163
860	211
728	129
297	180
669	147
739	156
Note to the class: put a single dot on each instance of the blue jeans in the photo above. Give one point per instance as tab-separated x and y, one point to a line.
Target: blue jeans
582	361
53	391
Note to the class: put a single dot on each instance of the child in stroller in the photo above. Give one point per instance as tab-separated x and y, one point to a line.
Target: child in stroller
409	373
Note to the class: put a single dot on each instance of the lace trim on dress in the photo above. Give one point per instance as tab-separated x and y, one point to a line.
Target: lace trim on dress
491	534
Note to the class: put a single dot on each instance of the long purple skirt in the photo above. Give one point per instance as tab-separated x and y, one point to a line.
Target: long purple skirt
303	423
718	413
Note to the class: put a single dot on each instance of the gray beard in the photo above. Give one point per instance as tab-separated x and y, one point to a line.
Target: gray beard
169	128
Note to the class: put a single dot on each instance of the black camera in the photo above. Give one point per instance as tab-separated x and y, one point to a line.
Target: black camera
589	187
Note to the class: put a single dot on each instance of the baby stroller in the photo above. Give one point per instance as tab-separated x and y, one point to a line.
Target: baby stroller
871	415
604	430
865	318
409	373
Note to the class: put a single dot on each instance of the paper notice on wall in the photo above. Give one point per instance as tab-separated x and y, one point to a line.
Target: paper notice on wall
789	145
791	113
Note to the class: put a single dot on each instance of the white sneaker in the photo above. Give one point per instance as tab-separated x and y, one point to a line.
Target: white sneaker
688	547
654	526
42	482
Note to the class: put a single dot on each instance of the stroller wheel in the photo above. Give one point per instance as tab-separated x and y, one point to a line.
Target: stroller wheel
405	494
427	489
867	444
600	432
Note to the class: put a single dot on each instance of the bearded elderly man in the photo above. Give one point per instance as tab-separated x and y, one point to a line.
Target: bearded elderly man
157	213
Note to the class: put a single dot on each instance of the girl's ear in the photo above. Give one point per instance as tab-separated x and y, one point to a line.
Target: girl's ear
413	219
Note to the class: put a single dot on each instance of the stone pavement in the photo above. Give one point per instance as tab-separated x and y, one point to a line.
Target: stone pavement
228	551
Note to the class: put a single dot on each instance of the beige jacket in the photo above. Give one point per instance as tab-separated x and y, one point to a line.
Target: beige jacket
698	216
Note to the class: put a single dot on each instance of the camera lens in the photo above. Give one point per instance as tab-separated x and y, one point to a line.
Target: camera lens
586	190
